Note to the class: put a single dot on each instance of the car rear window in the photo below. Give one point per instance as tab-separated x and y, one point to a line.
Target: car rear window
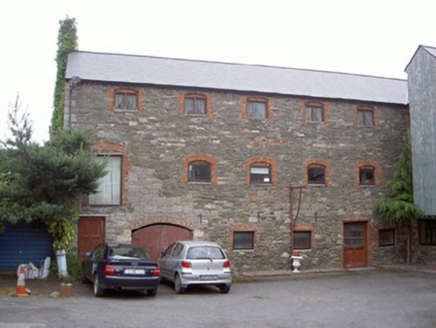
128	253
205	252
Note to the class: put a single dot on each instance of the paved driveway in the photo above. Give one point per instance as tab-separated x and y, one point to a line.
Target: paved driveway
369	298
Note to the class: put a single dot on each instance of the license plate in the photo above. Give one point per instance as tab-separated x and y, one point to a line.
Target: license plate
208	277
134	271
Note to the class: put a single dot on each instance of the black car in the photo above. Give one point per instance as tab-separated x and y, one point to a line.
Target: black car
121	267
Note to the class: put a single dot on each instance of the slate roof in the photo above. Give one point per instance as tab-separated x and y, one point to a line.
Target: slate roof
107	67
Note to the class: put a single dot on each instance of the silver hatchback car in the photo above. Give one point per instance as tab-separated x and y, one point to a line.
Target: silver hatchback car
195	262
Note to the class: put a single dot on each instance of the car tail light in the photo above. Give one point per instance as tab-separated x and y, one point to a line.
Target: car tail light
156	271
109	269
226	264
186	264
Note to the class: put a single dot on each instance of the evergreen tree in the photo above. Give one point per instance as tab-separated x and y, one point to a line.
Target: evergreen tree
399	208
67	42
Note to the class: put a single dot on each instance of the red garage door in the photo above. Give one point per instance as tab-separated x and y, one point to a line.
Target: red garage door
157	237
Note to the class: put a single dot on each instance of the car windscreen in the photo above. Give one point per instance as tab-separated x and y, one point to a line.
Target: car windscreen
128	253
205	252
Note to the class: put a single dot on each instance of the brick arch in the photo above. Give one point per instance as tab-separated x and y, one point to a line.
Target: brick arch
159	219
366	107
200	157
112	91
304	103
207	98
377	172
107	147
262	159
319	161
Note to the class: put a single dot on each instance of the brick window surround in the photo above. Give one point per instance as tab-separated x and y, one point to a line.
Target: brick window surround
377	171
306	227
262	159
386	226
374	110
112	148
310	103
268	104
317	161
200	157
191	94
244	227
140	94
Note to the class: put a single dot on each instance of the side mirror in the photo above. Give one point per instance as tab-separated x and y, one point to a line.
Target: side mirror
161	254
88	254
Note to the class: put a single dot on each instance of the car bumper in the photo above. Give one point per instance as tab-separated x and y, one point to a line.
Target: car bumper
190	279
129	283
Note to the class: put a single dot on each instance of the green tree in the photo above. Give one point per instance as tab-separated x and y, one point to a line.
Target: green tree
67	42
399	208
44	183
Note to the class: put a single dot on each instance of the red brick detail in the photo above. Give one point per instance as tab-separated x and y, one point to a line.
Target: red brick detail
262	159
208	98
200	157
366	107
160	219
325	107
112	91
328	168
268	101
106	147
377	172
301	227
244	227
355	218
385	226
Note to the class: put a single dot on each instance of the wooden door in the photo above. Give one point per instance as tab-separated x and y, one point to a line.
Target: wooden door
355	245
157	237
91	232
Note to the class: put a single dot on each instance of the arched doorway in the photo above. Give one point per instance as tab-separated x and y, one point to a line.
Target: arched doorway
158	236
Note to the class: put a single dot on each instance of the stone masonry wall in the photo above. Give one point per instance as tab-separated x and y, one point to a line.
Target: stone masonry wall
160	137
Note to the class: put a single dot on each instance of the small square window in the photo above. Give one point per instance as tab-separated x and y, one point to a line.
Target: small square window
126	100
313	114
386	237
243	240
302	239
195	104
260	173
367	175
199	171
316	174
256	109
365	117
427	232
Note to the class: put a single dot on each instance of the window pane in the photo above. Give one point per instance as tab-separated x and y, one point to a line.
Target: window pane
386	237
199	106
302	239
130	101
427	232
368	117
243	240
199	171
360	117
109	191
119	100
260	174
308	114
256	109
189	105
317	114
316	174
366	176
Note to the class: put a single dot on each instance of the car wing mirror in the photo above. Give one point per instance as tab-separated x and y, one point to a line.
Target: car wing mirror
88	254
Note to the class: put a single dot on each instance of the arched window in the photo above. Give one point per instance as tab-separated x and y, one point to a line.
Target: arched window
126	99
195	104
260	173
199	171
316	174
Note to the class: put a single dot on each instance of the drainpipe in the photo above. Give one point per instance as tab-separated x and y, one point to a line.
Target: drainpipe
73	82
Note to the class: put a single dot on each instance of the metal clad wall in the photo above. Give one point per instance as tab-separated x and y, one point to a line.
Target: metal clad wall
23	244
422	95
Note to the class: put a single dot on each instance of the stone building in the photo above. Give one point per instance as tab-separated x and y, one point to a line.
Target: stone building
265	161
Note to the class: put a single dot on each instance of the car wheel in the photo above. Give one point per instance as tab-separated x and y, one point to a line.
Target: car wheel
224	289
178	285
152	292
98	291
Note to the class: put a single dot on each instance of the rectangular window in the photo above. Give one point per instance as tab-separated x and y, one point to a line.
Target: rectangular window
256	109
260	173
313	114
199	171
126	100
386	237
365	117
302	239
354	235
109	190
243	240
427	232
316	174
195	105
366	175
